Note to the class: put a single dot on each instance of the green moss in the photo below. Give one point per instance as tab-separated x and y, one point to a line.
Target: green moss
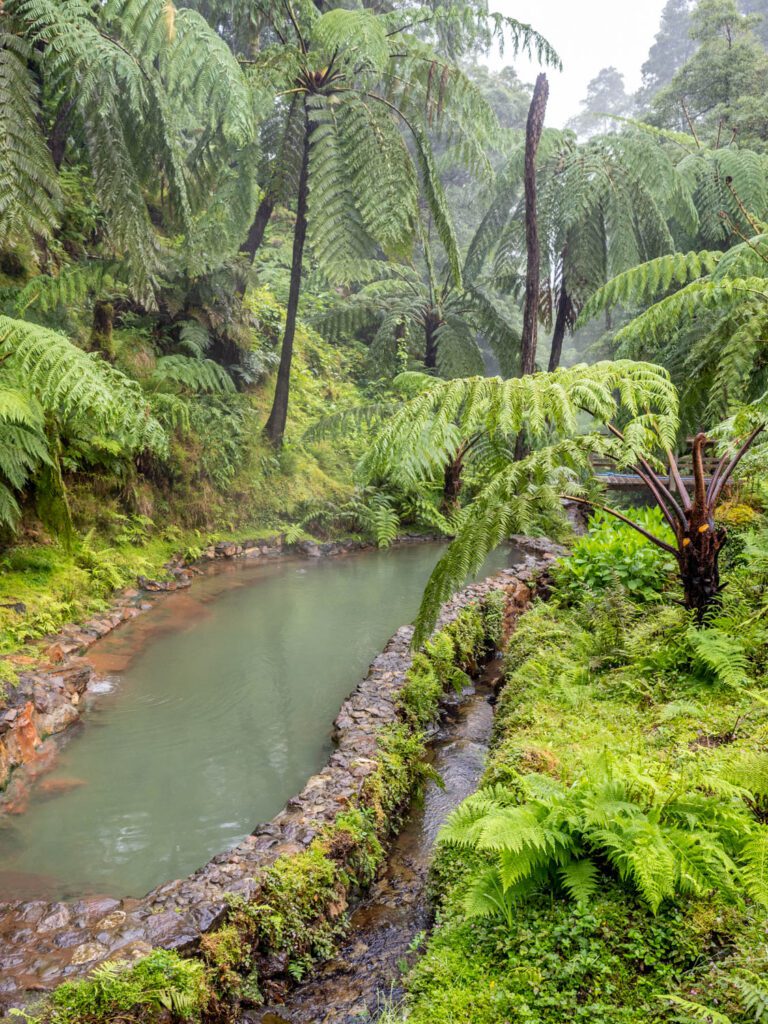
419	697
144	992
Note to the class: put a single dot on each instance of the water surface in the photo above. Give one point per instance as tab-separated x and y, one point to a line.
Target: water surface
222	706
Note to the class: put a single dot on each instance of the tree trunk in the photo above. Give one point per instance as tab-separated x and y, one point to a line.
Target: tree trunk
256	232
430	347
452	480
58	140
699	548
561	325
275	425
101	329
533	132
700	572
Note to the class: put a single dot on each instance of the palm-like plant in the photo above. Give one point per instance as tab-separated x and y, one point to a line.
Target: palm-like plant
441	323
603	207
149	97
705	318
353	85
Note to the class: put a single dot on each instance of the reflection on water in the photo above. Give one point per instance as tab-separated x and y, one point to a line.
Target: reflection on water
219	718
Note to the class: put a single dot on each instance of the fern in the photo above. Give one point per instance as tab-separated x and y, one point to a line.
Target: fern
122	75
660	835
190	375
721	654
422	438
29	191
753	995
77	388
696	1011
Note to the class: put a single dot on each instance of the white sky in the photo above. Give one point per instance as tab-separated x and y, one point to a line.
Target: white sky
588	35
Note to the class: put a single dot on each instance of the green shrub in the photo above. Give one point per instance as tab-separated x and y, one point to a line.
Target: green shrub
605	964
493	612
419	698
612	555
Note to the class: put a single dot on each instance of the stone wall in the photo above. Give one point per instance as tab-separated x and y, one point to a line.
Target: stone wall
43	943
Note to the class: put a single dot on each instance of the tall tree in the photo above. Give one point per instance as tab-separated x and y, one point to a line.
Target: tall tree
353	84
720	93
533	131
672	47
606	96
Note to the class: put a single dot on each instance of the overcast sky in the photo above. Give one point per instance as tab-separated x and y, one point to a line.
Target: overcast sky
588	35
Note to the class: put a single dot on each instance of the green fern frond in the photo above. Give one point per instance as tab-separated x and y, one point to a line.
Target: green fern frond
645	282
77	387
192	375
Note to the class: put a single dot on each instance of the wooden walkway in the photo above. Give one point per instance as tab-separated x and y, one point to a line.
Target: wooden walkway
630	481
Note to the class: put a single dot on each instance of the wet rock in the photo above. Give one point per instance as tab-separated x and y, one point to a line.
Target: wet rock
228	549
59	917
87	953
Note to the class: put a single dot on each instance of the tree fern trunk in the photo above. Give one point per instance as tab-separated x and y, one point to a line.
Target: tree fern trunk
275	425
700	571
701	545
252	244
101	329
57	142
561	324
430	346
453	479
534	129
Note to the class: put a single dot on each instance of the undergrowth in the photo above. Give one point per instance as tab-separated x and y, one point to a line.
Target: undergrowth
613	868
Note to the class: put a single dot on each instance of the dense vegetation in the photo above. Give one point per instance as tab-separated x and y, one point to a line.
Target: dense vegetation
612	867
288	268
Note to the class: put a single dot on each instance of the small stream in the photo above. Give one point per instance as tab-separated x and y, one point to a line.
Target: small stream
364	977
217	707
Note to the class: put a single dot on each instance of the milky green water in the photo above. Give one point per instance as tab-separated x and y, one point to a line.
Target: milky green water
222	707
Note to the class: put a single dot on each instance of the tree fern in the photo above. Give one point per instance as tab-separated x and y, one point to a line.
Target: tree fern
77	388
422	438
29	190
125	72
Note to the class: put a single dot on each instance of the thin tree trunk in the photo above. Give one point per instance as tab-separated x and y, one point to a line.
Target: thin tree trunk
58	140
275	425
101	329
430	347
534	129
452	480
700	548
561	325
256	232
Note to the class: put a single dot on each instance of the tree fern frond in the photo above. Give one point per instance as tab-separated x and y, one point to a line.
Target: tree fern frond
646	281
30	198
192	375
77	387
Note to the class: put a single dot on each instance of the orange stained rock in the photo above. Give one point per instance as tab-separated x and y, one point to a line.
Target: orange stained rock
26	732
